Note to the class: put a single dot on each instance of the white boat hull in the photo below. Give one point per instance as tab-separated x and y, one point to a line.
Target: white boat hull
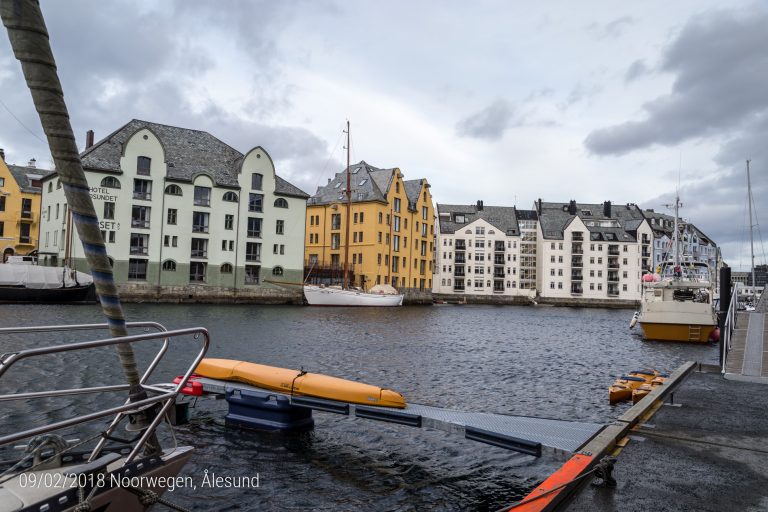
318	296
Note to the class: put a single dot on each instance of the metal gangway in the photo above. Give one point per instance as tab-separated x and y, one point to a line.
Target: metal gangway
529	435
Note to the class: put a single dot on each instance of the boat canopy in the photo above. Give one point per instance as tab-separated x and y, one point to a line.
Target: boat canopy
40	277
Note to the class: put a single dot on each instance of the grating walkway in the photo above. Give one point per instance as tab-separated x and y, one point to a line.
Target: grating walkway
519	433
748	357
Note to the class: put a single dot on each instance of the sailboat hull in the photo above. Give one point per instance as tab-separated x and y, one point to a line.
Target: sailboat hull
317	296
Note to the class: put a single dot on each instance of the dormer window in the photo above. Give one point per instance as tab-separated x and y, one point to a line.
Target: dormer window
461	219
143	164
256	180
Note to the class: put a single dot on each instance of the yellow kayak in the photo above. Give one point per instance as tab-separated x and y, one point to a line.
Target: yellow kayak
299	383
623	387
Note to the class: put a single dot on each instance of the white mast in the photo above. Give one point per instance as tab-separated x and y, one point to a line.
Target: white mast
751	237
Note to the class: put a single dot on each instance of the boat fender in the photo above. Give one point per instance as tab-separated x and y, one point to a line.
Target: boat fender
635	379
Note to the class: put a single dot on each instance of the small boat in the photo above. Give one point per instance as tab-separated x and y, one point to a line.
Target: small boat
296	382
345	295
35	283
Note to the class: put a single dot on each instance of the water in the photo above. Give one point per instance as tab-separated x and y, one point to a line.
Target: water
546	362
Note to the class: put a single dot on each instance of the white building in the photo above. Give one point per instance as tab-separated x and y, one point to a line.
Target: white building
592	251
183	215
484	251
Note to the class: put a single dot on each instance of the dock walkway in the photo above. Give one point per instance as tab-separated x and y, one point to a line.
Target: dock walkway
707	452
747	359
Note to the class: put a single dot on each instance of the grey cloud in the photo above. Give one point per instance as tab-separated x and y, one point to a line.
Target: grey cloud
635	71
489	123
612	29
721	69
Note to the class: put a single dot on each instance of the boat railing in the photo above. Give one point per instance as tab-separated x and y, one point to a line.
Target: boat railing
728	327
164	397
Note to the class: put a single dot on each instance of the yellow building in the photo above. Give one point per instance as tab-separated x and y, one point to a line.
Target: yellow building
391	229
19	207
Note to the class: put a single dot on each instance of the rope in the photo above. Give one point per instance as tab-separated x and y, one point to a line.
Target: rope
148	498
29	39
603	467
301	373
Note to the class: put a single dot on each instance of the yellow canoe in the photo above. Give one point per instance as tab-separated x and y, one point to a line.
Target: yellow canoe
299	383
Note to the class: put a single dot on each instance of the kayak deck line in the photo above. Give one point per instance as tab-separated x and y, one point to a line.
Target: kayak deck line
524	434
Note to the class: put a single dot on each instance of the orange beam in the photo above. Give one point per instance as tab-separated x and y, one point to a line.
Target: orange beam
545	494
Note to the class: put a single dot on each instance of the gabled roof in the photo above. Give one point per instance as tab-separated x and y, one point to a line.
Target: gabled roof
412	191
368	183
187	154
620	225
24	176
503	218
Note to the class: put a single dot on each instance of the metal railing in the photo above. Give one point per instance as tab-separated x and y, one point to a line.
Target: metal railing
728	326
163	396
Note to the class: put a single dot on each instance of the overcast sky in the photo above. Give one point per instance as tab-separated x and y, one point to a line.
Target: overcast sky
500	101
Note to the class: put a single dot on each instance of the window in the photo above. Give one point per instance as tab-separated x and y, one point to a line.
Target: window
362	215
252	274
397	223
140	216
143	164
381	216
202	196
479	230
173	190
230	197
142	189
397	204
137	269
254	227
200	222
281	203
396	243
279	226
172	215
109	210
424	209
169	266
335	240
197	271
139	244
2	206
252	251
355	217
335	221
111	237
229	221
226	268
108	182
277	271
255	202
199	248
256	180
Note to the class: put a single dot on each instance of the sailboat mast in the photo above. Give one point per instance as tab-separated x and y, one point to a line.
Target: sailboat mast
676	235
751	235
346	220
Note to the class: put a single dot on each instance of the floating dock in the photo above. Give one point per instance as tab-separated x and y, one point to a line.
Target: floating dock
529	435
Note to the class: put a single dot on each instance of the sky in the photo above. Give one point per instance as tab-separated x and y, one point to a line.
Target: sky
503	101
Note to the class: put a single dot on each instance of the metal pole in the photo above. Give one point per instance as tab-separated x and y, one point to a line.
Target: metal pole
725	302
346	220
751	235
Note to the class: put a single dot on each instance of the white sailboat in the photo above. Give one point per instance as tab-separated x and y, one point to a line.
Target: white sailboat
379	295
677	302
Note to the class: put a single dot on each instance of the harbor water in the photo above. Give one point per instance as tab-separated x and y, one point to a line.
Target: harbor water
534	361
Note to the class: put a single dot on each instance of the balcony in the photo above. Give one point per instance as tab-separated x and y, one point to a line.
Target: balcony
498	247
498	273
202	201
577	251
460	258
26	214
26	240
613	291
198	228
613	250
645	254
459	273
613	265
201	253
498	260
577	237
576	289
613	277
139	250
577	262
498	286
139	223
577	276
144	196
460	245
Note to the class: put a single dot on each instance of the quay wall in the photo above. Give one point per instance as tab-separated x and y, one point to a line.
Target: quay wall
133	292
416	297
542	301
